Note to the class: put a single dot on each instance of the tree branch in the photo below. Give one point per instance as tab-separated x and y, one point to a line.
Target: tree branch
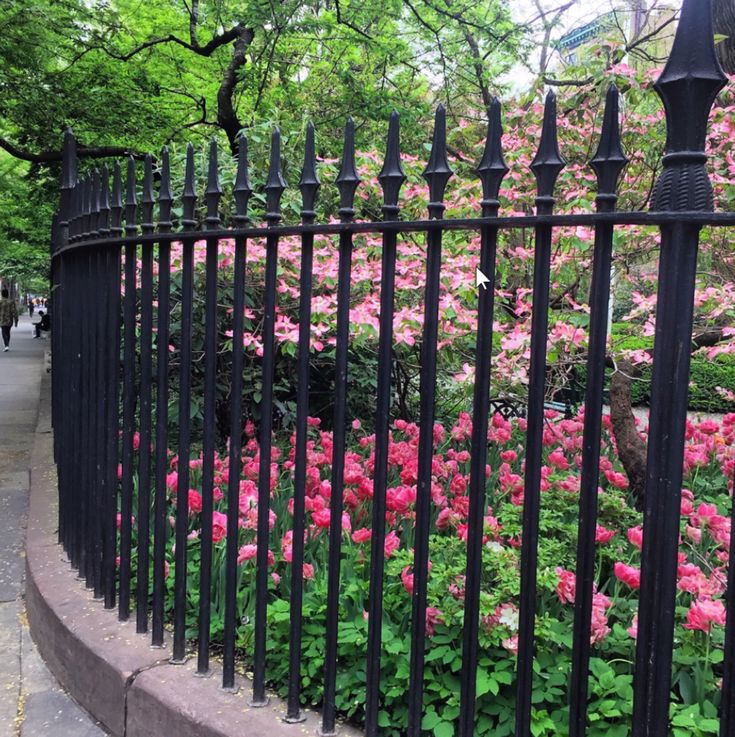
83	152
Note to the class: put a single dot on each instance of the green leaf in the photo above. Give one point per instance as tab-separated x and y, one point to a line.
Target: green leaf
444	729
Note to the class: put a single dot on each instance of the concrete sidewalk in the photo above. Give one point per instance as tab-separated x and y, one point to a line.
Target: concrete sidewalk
32	704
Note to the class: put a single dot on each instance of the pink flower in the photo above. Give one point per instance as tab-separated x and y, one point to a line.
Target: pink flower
703	612
628	575
392	543
511	644
633	629
603	535
407	579
433	617
246	552
308	571
635	535
219	526
598	625
195	501
362	535
567	586
558	459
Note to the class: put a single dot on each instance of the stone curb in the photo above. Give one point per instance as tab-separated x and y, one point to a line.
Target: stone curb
107	667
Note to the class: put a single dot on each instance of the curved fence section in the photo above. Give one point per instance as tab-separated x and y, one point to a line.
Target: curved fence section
175	395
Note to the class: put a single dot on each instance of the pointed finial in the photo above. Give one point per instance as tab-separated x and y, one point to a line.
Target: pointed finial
104	217
242	189
688	86
492	167
609	159
75	210
116	205
189	197
214	191
130	199
94	204
437	171
69	160
392	176
309	182
164	194
548	162
347	179
86	187
276	183
147	225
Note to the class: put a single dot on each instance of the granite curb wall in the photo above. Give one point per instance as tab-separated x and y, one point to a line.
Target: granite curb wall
113	672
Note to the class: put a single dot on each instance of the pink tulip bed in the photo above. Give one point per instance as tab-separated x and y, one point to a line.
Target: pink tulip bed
703	560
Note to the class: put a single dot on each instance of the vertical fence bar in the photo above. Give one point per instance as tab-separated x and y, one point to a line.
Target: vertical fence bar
59	367
182	488
688	87
109	484
491	170
309	185
146	398
241	193
160	528
129	398
213	195
607	163
337	488
546	166
112	380
391	178
437	174
274	190
81	410
97	397
73	408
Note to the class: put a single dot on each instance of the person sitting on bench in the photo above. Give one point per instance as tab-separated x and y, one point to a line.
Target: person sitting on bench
44	324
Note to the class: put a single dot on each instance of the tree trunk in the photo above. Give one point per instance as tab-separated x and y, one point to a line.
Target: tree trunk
631	448
723	22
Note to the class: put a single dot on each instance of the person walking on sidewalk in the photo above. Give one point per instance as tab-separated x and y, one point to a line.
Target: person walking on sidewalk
8	317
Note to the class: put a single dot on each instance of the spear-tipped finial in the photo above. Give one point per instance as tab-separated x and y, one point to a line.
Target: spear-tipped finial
609	160
688	86
276	184
189	196
309	183
130	199
164	194
69	160
104	217
347	179
392	176
148	199
86	187
242	189
492	167
116	205
438	172
548	162
214	191
94	203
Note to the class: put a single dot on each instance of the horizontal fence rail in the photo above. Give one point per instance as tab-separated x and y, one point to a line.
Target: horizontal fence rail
125	335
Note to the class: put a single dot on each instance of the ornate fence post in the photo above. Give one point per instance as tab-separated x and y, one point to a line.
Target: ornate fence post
687	86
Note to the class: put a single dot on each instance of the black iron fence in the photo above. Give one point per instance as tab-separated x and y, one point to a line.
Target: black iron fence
111	392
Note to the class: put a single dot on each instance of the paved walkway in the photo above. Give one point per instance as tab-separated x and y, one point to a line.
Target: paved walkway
32	704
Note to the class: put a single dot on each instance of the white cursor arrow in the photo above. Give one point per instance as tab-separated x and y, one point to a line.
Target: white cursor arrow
480	278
